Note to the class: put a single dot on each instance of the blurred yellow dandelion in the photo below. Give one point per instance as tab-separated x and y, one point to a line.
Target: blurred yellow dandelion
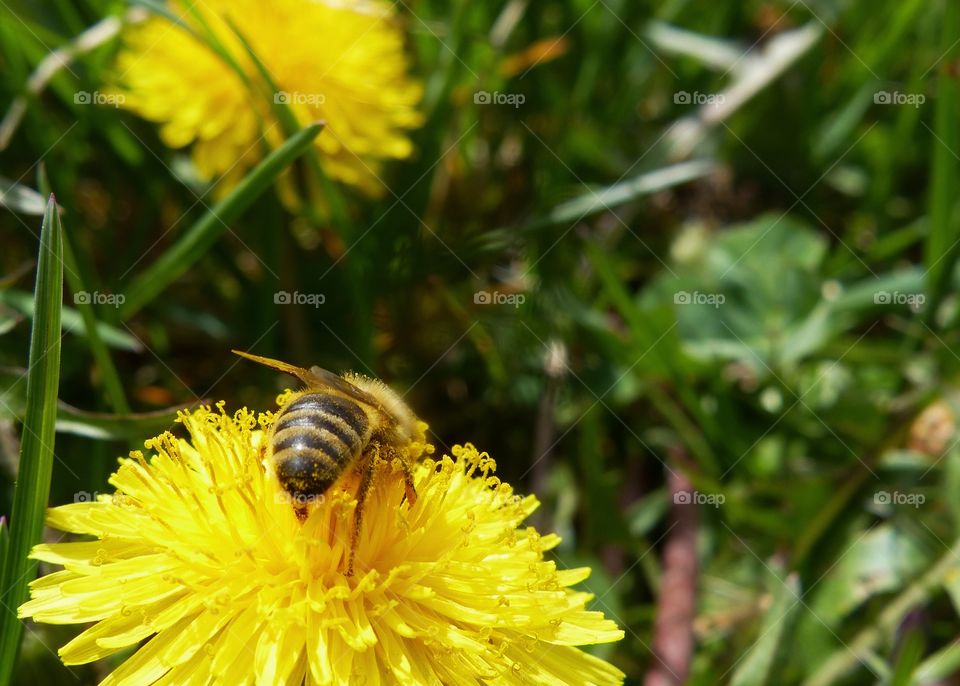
342	62
199	552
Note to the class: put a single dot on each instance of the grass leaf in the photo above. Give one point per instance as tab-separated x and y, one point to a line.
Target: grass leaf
758	661
36	453
130	427
18	198
202	235
23	302
942	247
628	190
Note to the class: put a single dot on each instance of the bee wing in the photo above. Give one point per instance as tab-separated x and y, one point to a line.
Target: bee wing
315	377
328	378
304	375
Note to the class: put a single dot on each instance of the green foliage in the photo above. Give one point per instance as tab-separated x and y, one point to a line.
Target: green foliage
758	291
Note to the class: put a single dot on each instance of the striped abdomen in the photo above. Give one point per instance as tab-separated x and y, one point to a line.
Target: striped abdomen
314	440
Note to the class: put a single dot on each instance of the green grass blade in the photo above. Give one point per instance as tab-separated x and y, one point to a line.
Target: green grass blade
604	199
939	665
22	302
943	246
160	8
909	652
19	198
4	541
36	452
758	661
628	190
199	237
101	426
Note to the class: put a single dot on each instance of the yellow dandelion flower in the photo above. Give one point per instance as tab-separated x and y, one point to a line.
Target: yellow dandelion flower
199	554
342	62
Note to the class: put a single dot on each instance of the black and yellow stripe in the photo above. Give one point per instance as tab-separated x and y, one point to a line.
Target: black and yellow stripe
314	440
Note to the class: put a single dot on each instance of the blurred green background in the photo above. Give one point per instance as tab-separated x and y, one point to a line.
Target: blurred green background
716	240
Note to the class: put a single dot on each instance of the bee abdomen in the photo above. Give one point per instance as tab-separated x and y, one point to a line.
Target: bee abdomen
321	425
305	476
313	443
331	408
314	440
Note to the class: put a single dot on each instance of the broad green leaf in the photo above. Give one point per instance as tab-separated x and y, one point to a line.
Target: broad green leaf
750	293
830	669
880	561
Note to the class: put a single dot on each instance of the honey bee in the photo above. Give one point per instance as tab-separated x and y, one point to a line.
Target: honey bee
334	425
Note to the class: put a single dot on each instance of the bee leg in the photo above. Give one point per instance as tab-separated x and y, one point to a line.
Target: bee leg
410	492
365	482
